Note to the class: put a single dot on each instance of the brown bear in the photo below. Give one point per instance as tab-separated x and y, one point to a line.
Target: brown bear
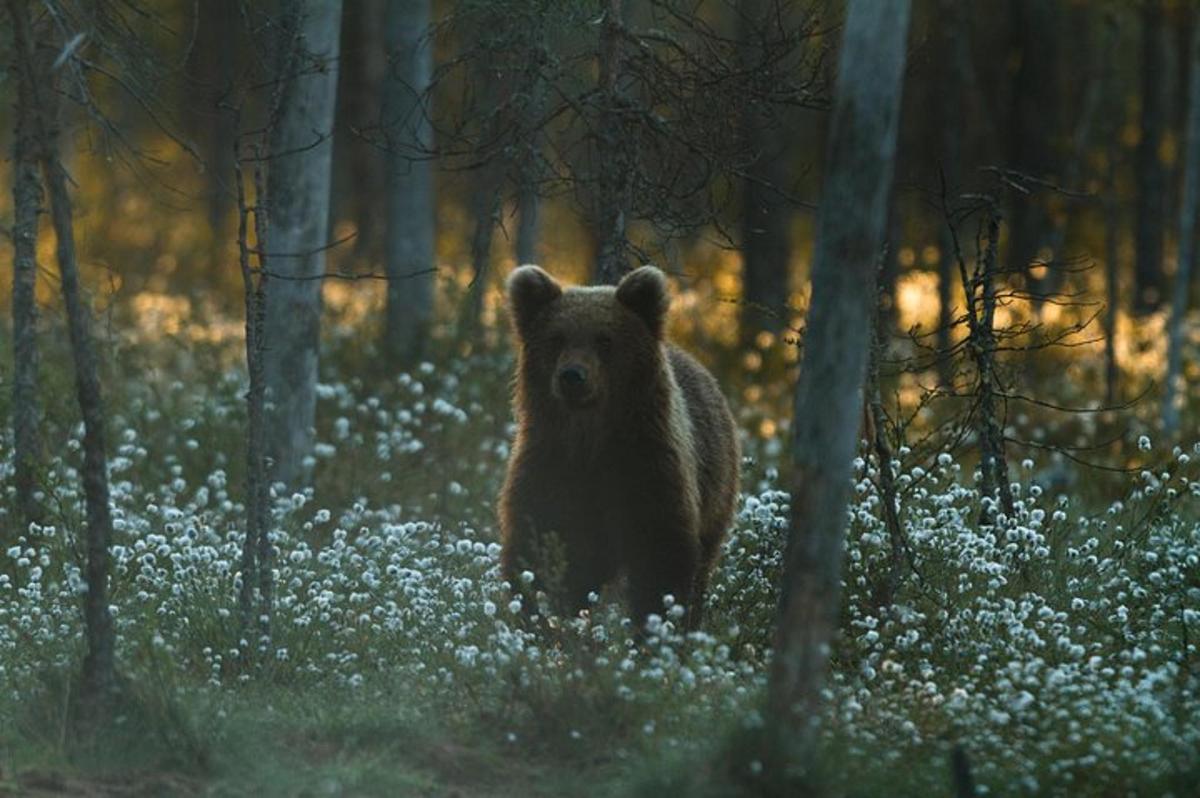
625	457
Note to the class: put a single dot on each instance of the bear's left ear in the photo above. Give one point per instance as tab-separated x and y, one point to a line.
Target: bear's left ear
644	291
530	289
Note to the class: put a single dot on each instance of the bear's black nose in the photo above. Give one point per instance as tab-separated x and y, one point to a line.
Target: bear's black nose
573	378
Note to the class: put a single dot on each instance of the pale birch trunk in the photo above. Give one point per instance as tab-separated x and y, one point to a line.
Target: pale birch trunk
829	397
297	212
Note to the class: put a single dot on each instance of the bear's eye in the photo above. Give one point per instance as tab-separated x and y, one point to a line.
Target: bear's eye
603	343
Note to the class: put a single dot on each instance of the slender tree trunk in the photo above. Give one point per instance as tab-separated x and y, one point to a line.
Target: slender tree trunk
27	194
1188	209
1034	105
529	207
1151	173
360	191
410	205
485	208
766	247
99	670
1112	229
851	226
614	166
952	110
212	65
297	213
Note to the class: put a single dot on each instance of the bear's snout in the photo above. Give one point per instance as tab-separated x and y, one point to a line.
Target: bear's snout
573	384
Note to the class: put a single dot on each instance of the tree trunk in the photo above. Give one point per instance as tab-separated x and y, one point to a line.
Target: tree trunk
1188	208
1151	173
529	203
297	212
212	65
99	671
1112	229
613	169
829	396
27	194
410	205
1034	104
953	80
766	248
360	191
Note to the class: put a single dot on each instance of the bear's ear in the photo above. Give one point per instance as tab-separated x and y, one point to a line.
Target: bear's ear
644	291
530	290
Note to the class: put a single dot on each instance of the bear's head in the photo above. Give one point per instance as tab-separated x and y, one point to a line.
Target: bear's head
581	346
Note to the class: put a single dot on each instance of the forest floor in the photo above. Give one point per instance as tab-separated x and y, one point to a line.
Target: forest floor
1056	646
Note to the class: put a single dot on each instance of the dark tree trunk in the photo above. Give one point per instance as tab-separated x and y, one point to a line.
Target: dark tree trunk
529	206
410	205
1189	207
851	225
766	245
363	64
212	65
27	195
613	168
297	211
1034	120
1151	173
99	670
954	44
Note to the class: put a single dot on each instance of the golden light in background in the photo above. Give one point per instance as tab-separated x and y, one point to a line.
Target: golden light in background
767	428
752	361
764	339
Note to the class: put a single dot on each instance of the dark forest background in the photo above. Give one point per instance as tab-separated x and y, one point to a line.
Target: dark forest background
257	371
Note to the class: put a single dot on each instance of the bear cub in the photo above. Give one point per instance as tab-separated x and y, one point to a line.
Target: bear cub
626	459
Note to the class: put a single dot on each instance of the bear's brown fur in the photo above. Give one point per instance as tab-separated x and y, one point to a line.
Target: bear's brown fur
625	449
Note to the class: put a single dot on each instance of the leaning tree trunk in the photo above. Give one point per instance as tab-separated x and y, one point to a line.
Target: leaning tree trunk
829	396
297	212
410	203
1151	173
27	192
99	671
1188	208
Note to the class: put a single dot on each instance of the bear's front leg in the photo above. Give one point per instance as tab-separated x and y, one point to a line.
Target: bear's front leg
664	562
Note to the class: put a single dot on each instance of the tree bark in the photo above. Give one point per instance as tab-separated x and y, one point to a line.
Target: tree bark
27	194
766	246
1151	173
360	189
410	205
297	212
1034	107
529	206
851	226
1188	208
99	670
212	65
614	159
954	42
